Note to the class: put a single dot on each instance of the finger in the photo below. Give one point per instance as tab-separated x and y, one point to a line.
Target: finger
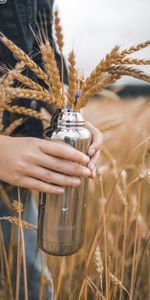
64	151
97	139
62	166
35	184
55	178
94	161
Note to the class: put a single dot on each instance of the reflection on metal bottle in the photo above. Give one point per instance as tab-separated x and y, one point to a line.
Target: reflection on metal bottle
61	221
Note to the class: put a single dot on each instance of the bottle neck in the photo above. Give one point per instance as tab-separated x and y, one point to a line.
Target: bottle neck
67	118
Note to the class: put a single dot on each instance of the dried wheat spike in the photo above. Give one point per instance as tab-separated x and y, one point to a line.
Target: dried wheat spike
122	70
103	83
101	68
24	58
120	195
52	70
18	207
13	126
8	79
118	283
145	175
24	111
135	48
43	96
131	61
26	81
17	222
110	126
5	198
58	31
72	73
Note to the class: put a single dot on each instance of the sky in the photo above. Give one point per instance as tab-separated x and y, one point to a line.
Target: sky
93	27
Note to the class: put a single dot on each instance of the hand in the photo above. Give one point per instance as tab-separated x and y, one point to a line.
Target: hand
41	165
94	150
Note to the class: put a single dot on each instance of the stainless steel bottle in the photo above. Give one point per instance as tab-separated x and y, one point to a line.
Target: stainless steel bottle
61	220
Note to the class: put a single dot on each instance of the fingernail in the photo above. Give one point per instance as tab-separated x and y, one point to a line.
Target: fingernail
86	172
94	172
92	167
85	159
91	151
76	181
60	190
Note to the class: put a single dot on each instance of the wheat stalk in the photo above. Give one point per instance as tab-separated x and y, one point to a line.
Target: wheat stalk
16	221
121	70
100	68
43	96
58	31
24	111
135	48
72	78
13	126
5	198
24	58
103	83
17	206
118	283
131	61
110	126
26	81
52	71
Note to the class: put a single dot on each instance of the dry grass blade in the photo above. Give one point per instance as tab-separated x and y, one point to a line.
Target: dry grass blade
121	70
72	74
16	221
24	58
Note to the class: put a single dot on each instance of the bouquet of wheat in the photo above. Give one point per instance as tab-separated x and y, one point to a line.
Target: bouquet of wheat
65	237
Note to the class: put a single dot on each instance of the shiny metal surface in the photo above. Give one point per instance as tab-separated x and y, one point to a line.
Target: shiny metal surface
61	220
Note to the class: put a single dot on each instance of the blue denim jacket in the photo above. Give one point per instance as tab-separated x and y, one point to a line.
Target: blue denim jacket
16	19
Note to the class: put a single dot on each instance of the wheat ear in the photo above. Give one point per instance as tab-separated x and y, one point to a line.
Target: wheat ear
118	283
16	221
58	31
52	71
24	58
43	96
60	43
132	61
100	68
23	111
72	78
26	81
135	48
82	101
110	126
128	71
9	130
4	197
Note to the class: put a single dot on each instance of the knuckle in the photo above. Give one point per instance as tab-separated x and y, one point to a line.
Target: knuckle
47	176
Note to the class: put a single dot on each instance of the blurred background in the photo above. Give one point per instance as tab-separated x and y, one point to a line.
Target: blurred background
93	28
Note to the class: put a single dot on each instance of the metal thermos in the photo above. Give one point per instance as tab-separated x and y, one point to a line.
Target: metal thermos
61	219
